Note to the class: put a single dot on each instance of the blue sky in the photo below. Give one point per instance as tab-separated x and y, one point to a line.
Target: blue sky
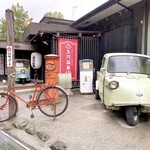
37	8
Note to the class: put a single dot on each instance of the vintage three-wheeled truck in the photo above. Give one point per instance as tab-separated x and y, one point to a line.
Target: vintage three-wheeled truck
123	83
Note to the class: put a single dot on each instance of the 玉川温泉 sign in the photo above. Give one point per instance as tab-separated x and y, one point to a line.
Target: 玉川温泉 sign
68	53
9	56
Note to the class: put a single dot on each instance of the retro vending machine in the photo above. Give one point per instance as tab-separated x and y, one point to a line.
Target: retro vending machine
86	76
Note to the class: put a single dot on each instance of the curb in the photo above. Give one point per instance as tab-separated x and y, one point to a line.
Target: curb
5	87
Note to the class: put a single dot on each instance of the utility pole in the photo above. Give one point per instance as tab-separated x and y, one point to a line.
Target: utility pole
73	11
10	50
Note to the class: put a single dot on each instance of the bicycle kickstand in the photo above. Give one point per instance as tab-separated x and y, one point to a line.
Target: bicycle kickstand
32	115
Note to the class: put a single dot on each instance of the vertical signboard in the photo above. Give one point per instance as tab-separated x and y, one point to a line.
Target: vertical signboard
1	64
68	53
9	56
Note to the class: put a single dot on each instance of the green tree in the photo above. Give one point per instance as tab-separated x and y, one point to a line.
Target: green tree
3	33
55	14
20	16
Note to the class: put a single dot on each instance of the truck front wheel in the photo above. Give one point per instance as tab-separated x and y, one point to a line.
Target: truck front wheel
23	80
97	95
132	115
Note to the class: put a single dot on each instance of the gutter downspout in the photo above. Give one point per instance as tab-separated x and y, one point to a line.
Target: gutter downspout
132	13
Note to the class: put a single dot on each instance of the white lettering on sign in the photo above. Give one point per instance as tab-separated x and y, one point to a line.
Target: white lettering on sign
9	56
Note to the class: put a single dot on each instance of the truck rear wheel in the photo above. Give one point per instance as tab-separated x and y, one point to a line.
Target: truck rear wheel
132	115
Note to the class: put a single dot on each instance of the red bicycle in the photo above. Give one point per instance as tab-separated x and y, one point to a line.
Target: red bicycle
51	100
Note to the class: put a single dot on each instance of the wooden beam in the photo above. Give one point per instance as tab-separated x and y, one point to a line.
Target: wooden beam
18	46
34	28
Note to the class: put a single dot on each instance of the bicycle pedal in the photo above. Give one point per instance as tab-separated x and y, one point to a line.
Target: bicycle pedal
30	97
32	116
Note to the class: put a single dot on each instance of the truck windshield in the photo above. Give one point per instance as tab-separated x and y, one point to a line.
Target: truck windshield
129	64
22	63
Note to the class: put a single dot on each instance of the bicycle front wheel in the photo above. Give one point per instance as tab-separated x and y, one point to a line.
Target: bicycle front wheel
6	112
56	104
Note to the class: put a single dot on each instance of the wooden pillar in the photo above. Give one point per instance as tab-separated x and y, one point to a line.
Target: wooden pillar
10	47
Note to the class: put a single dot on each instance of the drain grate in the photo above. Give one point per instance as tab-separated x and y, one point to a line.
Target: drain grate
7	142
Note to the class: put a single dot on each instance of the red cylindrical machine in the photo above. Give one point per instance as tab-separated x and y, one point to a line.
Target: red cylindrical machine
51	68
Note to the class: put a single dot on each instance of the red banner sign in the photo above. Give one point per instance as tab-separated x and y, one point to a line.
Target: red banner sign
68	52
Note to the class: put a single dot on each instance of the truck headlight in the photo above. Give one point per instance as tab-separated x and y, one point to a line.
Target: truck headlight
113	85
22	71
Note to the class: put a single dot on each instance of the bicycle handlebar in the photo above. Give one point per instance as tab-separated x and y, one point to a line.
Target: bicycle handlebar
37	81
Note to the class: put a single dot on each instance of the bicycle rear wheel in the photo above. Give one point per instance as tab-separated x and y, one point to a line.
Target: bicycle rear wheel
5	109
58	103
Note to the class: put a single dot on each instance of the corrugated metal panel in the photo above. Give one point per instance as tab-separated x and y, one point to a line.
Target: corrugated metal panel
120	40
89	48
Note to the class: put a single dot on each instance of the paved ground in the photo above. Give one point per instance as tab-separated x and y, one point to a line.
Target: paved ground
86	125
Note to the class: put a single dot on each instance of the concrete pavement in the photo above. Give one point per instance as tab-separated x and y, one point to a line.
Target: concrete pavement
86	125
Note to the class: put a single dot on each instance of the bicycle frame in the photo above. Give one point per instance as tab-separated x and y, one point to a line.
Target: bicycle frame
37	88
47	97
